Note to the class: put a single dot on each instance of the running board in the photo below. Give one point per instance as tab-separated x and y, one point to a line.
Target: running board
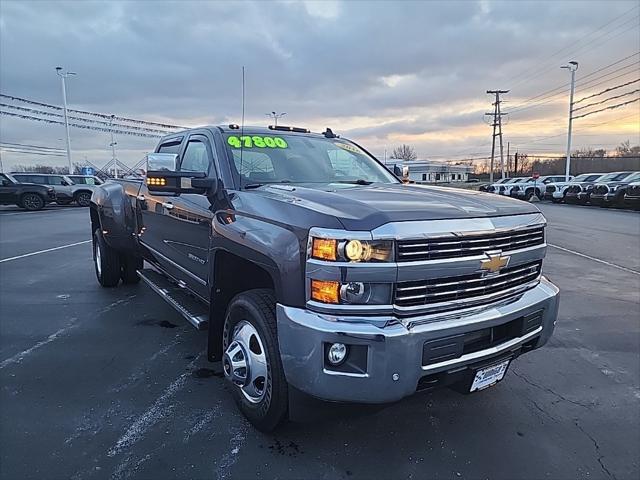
193	310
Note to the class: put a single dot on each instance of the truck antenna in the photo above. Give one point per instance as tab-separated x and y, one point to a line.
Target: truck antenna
242	129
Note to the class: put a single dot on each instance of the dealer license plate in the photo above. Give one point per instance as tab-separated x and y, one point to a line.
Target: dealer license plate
489	376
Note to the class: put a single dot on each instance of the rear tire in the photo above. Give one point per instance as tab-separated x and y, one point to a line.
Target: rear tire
32	202
106	261
254	312
83	199
129	266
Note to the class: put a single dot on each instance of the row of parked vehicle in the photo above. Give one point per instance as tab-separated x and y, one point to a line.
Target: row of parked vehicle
33	191
604	189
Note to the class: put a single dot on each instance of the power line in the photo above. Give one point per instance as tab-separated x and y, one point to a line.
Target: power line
88	120
606	100
32	146
536	72
611	65
607	90
563	49
84	112
607	108
86	127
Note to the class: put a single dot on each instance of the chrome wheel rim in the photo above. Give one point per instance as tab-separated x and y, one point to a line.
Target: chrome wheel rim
245	362
98	259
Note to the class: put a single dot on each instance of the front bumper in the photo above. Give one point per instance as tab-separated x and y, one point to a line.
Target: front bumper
394	353
599	199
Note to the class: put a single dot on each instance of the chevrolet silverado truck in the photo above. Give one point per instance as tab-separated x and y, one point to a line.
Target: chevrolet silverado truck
24	195
319	274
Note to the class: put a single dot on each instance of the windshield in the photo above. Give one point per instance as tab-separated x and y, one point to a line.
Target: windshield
86	180
615	176
302	159
587	177
634	178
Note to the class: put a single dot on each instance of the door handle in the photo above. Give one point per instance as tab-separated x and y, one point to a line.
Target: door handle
168	205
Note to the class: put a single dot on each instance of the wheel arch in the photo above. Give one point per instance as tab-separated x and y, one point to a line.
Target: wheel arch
232	275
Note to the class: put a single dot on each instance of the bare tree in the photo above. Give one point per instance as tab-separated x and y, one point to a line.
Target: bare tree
404	152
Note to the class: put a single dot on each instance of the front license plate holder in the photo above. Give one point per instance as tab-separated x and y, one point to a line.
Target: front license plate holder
488	376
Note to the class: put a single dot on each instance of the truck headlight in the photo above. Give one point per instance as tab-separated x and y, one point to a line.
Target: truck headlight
351	250
350	293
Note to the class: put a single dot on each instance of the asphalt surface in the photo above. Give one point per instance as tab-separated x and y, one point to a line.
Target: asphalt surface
111	383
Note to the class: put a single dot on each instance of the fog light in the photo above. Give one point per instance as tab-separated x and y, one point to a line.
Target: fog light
337	353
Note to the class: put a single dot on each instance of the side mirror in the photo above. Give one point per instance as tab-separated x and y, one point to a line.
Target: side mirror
163	176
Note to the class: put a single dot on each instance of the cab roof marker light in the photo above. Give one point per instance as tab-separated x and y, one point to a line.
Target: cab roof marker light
285	128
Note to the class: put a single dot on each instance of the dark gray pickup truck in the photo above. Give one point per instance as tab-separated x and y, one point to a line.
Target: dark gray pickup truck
319	274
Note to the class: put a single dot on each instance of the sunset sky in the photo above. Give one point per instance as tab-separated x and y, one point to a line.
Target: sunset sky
380	73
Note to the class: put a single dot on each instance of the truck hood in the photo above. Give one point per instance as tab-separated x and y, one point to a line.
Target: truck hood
364	207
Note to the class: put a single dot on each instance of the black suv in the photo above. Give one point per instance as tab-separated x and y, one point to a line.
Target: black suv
24	195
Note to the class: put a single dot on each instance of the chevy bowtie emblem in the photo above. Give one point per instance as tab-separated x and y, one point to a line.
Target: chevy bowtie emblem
494	262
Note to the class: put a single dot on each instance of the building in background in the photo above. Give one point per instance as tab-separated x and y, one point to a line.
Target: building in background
425	171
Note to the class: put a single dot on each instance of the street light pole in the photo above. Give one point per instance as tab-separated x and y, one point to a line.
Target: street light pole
63	76
572	66
113	148
276	116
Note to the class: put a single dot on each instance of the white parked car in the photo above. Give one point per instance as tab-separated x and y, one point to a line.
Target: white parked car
534	186
503	186
556	191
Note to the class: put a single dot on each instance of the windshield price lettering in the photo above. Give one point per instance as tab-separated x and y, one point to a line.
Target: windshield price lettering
257	141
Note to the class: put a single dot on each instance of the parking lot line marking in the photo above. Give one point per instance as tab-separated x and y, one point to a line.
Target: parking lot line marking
17	257
18	357
160	408
635	272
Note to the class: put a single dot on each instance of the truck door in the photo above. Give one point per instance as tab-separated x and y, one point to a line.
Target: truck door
178	227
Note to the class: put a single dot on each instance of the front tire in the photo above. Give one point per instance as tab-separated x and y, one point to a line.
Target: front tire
32	202
106	261
252	361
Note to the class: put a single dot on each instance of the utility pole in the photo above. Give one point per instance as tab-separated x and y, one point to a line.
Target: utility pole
508	159
515	165
572	66
497	122
113	148
276	116
63	76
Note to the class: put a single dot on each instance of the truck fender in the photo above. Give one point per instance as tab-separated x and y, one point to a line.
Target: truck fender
113	213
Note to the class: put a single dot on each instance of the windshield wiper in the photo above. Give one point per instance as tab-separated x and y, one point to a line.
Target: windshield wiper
252	185
360	181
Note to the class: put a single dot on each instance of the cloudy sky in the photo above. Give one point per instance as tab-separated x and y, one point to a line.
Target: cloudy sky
381	73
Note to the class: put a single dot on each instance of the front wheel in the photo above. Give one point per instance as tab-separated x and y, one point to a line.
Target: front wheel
251	359
106	261
32	202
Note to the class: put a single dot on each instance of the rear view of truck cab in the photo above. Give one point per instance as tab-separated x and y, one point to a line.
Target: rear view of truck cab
319	273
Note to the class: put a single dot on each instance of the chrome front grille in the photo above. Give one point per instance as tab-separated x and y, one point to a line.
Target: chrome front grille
601	190
473	288
550	188
469	245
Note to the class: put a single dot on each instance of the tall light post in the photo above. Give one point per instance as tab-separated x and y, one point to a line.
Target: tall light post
63	76
572	66
113	147
276	116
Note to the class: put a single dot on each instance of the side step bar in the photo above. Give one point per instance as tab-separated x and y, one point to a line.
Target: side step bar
193	310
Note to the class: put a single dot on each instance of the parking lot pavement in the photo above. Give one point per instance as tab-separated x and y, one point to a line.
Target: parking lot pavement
100	383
